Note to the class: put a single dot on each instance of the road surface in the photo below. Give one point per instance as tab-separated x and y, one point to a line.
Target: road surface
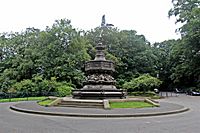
188	122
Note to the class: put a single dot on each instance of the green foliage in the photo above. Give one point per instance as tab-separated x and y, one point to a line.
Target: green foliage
185	55
38	86
142	83
63	89
24	86
140	93
187	12
29	59
58	51
164	52
23	99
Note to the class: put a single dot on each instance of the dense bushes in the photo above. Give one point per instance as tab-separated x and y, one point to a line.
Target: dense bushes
146	94
38	86
63	89
142	83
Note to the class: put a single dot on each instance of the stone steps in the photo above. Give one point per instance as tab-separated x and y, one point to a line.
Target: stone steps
81	103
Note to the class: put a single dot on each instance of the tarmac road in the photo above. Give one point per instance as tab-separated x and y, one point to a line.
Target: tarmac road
188	122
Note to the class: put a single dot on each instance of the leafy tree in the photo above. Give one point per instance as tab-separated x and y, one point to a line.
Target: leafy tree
186	71
166	60
186	12
58	51
64	52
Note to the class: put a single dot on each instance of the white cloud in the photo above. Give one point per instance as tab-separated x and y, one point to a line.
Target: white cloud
148	17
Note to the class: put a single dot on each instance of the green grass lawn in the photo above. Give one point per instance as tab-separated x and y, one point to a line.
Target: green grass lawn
22	99
45	102
130	104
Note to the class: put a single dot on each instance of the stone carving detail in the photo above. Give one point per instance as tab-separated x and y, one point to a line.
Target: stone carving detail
100	77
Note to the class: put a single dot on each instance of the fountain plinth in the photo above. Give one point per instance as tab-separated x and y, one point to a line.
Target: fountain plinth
99	83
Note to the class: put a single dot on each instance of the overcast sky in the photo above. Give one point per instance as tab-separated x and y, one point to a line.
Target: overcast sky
147	17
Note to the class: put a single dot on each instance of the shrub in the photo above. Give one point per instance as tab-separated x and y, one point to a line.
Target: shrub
142	83
120	82
63	90
146	94
41	87
24	87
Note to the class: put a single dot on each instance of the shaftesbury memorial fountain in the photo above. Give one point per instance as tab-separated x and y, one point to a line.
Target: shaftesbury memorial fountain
99	83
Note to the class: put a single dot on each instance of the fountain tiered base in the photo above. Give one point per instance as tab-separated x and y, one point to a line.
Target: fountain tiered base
99	83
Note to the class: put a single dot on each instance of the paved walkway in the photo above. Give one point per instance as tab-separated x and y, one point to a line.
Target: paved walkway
164	109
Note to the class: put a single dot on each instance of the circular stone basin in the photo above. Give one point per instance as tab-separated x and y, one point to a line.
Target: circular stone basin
99	65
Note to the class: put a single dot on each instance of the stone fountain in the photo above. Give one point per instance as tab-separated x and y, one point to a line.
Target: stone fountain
99	83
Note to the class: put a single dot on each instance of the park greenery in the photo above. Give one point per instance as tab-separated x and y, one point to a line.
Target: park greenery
45	102
52	60
41	98
123	104
130	104
142	83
